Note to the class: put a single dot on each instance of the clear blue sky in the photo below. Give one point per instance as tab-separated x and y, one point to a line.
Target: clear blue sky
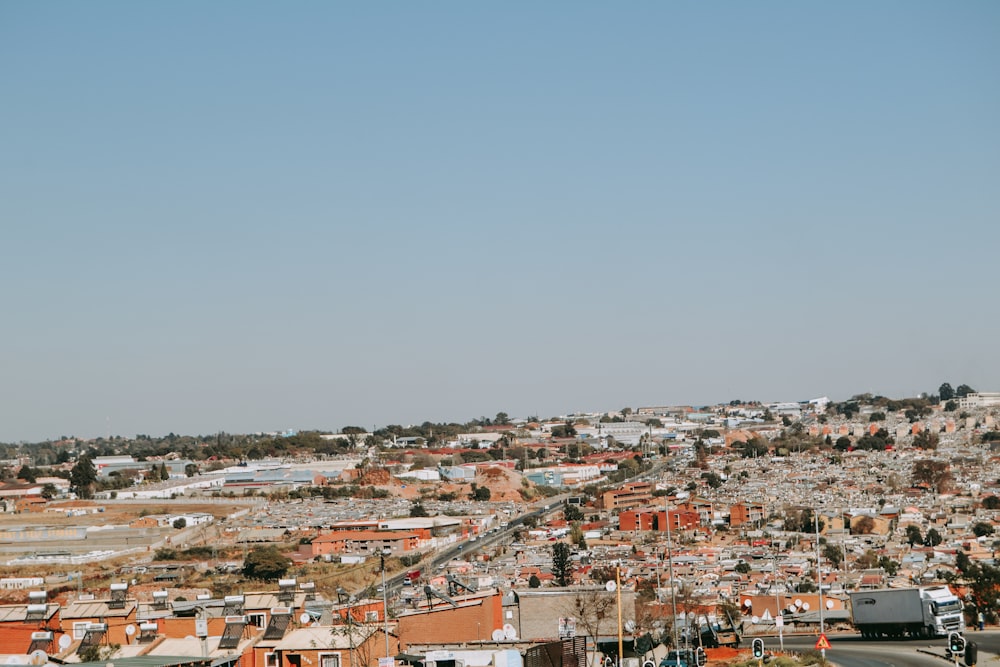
250	216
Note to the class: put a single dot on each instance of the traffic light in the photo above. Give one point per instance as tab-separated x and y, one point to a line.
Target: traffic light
971	654
956	644
758	648
700	659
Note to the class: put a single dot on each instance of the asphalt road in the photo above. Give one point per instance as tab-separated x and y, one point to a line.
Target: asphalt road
853	651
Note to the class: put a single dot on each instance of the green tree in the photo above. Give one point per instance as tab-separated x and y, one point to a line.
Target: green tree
164	473
561	565
83	477
501	419
481	493
417	509
180	522
572	512
991	502
913	535
950	406
534	581
933	538
926	440
833	554
945	392
266	562
964	390
888	565
982	529
27	474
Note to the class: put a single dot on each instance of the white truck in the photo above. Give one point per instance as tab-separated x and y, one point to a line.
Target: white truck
928	611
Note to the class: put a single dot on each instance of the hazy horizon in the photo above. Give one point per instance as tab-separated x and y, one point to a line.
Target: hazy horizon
251	217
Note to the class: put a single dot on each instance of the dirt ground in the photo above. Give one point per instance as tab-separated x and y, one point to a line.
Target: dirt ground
113	513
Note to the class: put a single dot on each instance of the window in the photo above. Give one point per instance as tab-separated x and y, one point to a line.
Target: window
80	629
329	660
270	660
256	620
371	616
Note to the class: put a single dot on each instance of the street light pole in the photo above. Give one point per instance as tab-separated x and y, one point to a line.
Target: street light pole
673	584
819	582
385	606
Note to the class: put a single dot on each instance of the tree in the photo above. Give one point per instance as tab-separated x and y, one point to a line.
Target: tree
964	390
933	538
82	477
888	565
913	535
191	469
481	493
502	419
833	554
982	529
164	473
417	509
593	609
863	526
572	512
946	392
991	502
266	563
27	474
926	440
561	566
534	581
180	522
931	473
951	406
742	567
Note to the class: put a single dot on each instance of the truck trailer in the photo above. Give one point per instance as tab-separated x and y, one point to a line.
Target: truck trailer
927	611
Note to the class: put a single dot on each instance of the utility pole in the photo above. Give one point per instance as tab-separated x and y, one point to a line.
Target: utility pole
778	620
385	605
819	582
673	585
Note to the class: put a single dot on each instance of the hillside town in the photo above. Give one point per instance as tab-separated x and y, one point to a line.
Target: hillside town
629	535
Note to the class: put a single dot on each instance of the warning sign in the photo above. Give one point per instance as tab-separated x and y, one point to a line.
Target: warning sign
822	643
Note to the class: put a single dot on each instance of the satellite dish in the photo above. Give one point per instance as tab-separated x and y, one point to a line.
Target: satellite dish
798	602
509	631
805	606
610	586
65	641
498	635
748	602
755	619
629	626
130	629
304	618
829	604
38	657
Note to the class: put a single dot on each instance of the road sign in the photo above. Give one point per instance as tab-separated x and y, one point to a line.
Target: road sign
822	643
